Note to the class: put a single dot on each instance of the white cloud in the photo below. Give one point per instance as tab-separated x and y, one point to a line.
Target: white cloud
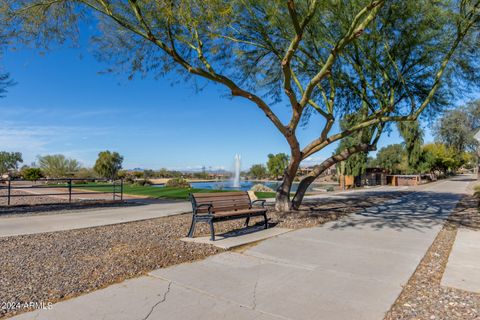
33	140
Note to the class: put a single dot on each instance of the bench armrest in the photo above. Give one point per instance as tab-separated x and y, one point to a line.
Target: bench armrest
262	202
209	207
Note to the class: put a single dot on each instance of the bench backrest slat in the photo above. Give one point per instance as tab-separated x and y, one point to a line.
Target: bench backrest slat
221	201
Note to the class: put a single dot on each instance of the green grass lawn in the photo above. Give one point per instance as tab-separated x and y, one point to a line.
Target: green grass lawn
265	195
158	192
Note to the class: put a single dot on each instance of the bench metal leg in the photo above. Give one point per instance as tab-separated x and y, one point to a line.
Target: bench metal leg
266	220
247	221
212	231
192	227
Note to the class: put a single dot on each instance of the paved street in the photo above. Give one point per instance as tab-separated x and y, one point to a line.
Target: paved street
348	269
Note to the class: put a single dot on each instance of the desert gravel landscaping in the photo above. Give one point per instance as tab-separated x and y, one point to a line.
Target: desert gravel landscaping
30	200
423	297
54	266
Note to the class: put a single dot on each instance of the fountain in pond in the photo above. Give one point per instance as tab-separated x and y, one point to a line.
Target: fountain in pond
236	177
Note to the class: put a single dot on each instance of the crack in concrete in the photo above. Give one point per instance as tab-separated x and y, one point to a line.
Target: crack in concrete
255	296
159	302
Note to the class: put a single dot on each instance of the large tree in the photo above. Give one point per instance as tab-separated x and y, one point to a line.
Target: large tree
258	171
58	166
391	158
9	161
108	164
276	164
323	57
408	65
439	157
457	127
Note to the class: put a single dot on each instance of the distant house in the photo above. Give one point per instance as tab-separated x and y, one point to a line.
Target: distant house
371	177
303	171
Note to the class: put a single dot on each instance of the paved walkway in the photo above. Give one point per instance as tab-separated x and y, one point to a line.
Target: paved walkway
350	269
463	267
150	208
84	218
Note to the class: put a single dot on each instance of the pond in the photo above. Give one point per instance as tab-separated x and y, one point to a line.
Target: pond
247	185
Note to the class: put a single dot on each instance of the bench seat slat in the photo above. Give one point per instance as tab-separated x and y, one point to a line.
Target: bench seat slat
218	194
220	201
238	212
225	208
224	202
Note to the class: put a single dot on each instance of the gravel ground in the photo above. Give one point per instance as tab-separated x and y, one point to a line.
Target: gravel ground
423	297
30	200
48	205
50	267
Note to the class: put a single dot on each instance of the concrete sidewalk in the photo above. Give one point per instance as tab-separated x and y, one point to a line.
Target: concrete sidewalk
463	267
349	269
150	208
84	218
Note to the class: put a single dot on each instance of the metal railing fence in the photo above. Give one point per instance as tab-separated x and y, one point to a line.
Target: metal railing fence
69	184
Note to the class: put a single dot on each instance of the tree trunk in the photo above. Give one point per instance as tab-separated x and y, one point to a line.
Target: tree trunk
282	198
319	169
301	190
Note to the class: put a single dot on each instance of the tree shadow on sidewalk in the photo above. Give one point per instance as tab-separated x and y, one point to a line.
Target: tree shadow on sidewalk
418	211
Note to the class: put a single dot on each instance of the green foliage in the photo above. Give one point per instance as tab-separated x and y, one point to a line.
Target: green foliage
329	58
58	166
356	164
200	175
265	195
152	191
439	157
137	174
9	161
108	164
142	182
457	127
165	173
391	158
258	171
276	164
412	135
85	173
31	174
177	183
122	174
149	174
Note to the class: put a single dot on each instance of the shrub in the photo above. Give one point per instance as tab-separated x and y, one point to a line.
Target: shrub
31	174
85	173
178	183
142	182
261	188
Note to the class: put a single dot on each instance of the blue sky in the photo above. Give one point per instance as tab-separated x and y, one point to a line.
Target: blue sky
61	104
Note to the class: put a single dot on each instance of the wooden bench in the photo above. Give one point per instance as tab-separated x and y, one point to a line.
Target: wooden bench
222	206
